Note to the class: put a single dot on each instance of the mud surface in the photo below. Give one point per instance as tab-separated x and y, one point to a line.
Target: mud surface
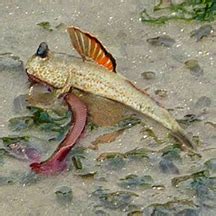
176	69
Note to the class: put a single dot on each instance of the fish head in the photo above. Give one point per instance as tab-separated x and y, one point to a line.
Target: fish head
43	67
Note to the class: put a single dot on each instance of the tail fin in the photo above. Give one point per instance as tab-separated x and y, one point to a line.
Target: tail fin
183	138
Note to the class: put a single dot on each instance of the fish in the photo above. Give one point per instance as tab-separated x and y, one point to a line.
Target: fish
95	72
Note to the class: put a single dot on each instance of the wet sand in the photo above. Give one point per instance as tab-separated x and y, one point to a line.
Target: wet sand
116	23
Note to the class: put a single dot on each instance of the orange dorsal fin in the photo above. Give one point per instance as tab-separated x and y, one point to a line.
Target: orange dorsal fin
89	46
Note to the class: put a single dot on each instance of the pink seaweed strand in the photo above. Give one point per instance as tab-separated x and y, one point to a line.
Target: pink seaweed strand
57	163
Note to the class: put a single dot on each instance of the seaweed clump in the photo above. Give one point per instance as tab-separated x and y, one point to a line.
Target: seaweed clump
201	10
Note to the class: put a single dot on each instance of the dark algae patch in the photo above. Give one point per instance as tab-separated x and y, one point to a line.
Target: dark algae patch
77	156
171	153
137	153
21	123
114	200
169	208
24	179
200	10
162	93
128	122
148	75
14	139
163	40
44	120
45	25
201	32
194	67
203	102
133	181
211	165
168	167
177	180
64	194
81	165
189	119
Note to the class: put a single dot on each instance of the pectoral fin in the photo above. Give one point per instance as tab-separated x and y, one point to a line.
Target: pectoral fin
89	46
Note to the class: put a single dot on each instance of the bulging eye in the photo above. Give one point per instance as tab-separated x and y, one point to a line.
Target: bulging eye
42	50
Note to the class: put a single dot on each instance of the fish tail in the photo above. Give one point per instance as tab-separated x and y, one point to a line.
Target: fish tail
184	139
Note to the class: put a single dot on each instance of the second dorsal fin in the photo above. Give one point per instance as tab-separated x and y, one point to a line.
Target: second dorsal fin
89	46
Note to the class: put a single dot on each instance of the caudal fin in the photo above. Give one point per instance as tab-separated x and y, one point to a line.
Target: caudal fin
183	138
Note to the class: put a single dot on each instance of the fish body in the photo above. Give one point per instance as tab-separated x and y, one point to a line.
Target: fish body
63	71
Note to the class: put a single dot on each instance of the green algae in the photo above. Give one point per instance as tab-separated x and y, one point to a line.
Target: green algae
200	10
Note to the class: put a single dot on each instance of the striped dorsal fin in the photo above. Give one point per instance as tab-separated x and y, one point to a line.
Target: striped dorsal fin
89	46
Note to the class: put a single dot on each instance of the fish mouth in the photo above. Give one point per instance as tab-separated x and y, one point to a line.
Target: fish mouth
33	80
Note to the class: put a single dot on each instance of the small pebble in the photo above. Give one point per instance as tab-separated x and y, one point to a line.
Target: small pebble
64	194
201	32
148	75
211	164
9	62
163	40
194	67
161	93
188	212
203	102
20	103
167	166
